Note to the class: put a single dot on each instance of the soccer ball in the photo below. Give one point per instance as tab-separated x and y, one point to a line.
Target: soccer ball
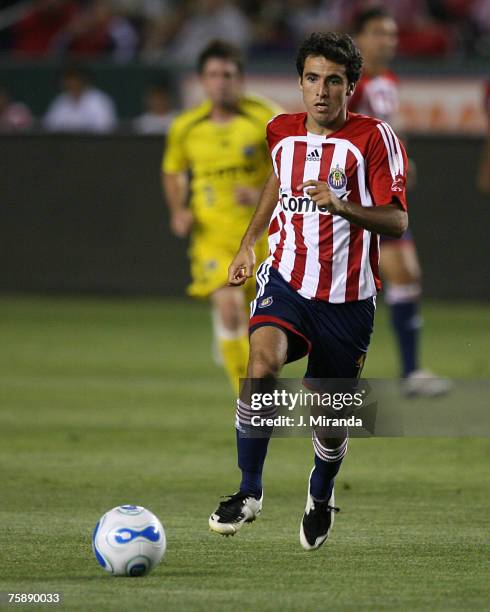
129	541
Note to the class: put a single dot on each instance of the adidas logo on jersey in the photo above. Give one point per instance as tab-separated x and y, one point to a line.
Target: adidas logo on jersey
313	156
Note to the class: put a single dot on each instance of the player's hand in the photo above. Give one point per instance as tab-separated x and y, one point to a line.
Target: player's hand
181	222
242	266
322	195
247	196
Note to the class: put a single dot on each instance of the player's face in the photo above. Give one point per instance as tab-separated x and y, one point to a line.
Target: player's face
222	81
378	40
325	89
73	85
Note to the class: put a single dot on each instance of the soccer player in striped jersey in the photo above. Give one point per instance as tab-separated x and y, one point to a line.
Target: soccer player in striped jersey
217	152
338	181
376	95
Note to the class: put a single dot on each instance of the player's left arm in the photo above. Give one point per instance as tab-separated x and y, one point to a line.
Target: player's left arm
389	219
386	166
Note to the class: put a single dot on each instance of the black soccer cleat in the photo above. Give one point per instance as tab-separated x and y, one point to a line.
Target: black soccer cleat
317	521
234	512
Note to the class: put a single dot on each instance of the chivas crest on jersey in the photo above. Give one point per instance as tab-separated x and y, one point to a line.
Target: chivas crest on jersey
336	178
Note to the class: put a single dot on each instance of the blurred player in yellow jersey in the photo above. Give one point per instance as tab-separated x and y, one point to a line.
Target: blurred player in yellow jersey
214	167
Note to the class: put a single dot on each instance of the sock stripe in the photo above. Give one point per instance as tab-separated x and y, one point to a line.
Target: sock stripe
330	457
329	454
244	412
247	411
400	294
332	454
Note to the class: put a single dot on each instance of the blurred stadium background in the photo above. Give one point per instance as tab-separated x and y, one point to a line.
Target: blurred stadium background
83	212
105	366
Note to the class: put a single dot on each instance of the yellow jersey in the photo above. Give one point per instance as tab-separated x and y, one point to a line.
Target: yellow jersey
220	157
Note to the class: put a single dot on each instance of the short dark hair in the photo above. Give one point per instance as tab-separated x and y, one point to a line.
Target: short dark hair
158	87
76	71
364	17
223	50
336	47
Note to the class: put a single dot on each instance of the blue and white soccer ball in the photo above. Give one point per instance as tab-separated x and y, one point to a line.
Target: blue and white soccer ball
129	541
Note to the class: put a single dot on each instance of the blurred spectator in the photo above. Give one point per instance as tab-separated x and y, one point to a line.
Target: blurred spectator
176	29
99	30
307	16
81	107
478	37
270	28
484	168
159	112
420	33
14	116
11	12
38	30
161	22
208	20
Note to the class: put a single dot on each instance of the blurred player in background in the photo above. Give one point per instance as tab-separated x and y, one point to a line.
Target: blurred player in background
484	170
376	95
218	152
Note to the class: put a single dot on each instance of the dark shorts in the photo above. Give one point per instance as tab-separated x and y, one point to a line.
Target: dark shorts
406	237
334	336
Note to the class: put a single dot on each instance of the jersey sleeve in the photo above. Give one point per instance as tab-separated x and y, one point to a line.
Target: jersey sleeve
281	126
387	167
271	134
174	156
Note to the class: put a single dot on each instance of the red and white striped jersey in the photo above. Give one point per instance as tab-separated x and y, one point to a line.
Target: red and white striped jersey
323	256
376	96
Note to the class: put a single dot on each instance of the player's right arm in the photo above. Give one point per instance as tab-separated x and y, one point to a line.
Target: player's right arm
242	266
175	181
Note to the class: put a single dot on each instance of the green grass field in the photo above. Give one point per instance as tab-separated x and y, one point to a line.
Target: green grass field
105	402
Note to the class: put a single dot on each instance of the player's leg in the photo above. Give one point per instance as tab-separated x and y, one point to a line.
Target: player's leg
401	270
209	269
318	517
343	332
275	338
268	353
230	325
